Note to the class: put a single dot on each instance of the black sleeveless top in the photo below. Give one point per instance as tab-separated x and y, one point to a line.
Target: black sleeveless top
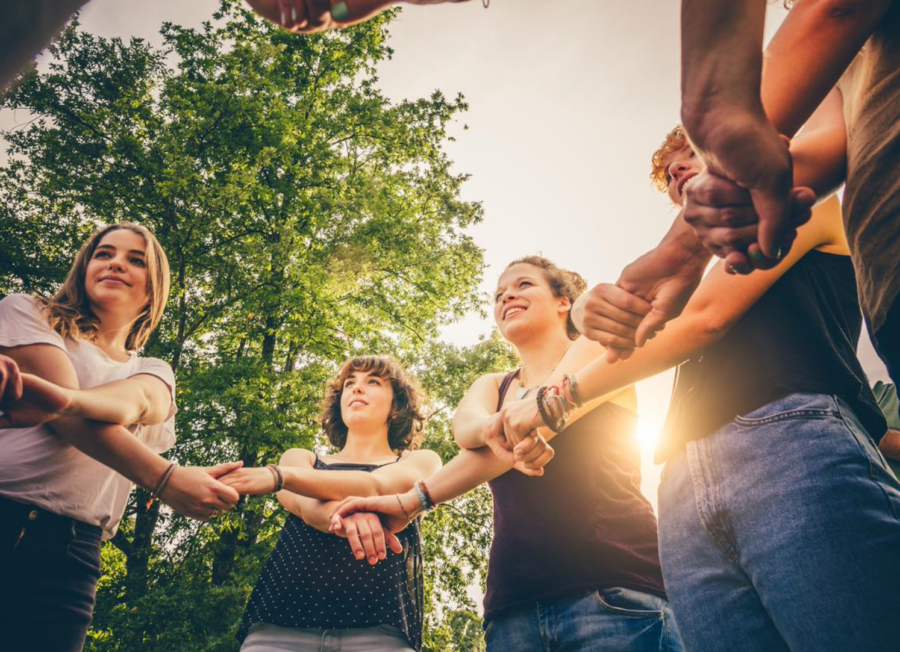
801	336
583	526
312	580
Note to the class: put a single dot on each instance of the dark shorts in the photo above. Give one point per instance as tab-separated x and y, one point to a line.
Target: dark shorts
49	567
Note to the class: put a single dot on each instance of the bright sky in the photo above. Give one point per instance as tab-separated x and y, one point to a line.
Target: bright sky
568	99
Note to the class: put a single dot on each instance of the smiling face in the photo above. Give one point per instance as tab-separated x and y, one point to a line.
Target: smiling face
681	166
525	305
115	278
366	400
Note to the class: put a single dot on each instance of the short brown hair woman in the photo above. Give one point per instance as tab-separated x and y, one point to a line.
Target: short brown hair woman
311	586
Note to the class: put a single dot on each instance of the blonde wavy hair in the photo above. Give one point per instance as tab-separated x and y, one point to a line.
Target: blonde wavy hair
69	313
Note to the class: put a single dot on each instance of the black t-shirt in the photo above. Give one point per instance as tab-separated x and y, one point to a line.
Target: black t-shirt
800	337
583	526
312	580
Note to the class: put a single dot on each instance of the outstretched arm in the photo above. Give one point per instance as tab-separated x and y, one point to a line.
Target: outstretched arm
141	399
28	26
301	478
720	301
193	492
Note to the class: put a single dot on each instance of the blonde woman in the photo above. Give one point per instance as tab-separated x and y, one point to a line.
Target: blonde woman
67	459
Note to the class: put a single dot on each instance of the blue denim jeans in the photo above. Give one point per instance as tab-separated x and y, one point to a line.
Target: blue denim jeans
781	532
611	620
49	568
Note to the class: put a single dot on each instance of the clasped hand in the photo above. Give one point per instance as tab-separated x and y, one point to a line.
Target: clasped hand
512	436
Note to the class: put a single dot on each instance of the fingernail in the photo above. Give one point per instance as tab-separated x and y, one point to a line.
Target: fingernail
741	269
373	560
359	555
779	252
756	255
339	11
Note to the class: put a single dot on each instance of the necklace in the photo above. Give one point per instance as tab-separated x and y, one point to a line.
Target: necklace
522	391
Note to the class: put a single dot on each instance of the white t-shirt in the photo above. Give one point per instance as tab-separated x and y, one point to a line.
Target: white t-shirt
39	467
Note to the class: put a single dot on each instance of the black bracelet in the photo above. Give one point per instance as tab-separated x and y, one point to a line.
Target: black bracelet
551	423
279	477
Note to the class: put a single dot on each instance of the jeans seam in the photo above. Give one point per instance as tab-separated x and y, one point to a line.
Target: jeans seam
782	416
700	498
630	613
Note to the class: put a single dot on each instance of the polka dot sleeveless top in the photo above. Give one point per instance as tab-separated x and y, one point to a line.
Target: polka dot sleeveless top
312	580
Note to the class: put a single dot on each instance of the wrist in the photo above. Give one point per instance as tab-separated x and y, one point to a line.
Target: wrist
75	403
151	472
682	248
411	504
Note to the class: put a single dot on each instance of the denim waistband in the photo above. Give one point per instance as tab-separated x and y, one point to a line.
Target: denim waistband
40	519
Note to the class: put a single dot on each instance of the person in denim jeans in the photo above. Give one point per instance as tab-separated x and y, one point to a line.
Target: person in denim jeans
779	519
574	560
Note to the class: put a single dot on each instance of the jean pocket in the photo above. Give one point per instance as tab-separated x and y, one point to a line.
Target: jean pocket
84	555
793	406
630	603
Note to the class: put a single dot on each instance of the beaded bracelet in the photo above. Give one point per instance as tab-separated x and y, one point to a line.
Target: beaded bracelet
427	505
161	483
542	408
427	493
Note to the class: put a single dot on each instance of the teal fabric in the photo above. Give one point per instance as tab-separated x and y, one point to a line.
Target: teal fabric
886	395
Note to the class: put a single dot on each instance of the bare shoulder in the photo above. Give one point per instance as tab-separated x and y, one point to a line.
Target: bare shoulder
423	458
297	457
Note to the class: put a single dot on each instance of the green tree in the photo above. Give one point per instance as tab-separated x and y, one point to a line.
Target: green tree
306	218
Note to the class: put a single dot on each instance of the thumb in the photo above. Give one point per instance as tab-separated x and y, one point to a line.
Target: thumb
223	469
650	325
337	526
802	201
772	208
392	541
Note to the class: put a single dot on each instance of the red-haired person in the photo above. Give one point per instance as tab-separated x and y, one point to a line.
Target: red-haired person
312	592
65	475
779	521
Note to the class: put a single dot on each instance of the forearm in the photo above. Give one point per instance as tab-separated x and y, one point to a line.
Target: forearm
315	513
28	27
330	485
468	427
809	53
682	248
113	446
465	472
721	62
124	402
682	338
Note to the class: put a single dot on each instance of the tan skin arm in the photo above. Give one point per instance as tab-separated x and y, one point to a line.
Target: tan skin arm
193	492
720	301
301	478
141	399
